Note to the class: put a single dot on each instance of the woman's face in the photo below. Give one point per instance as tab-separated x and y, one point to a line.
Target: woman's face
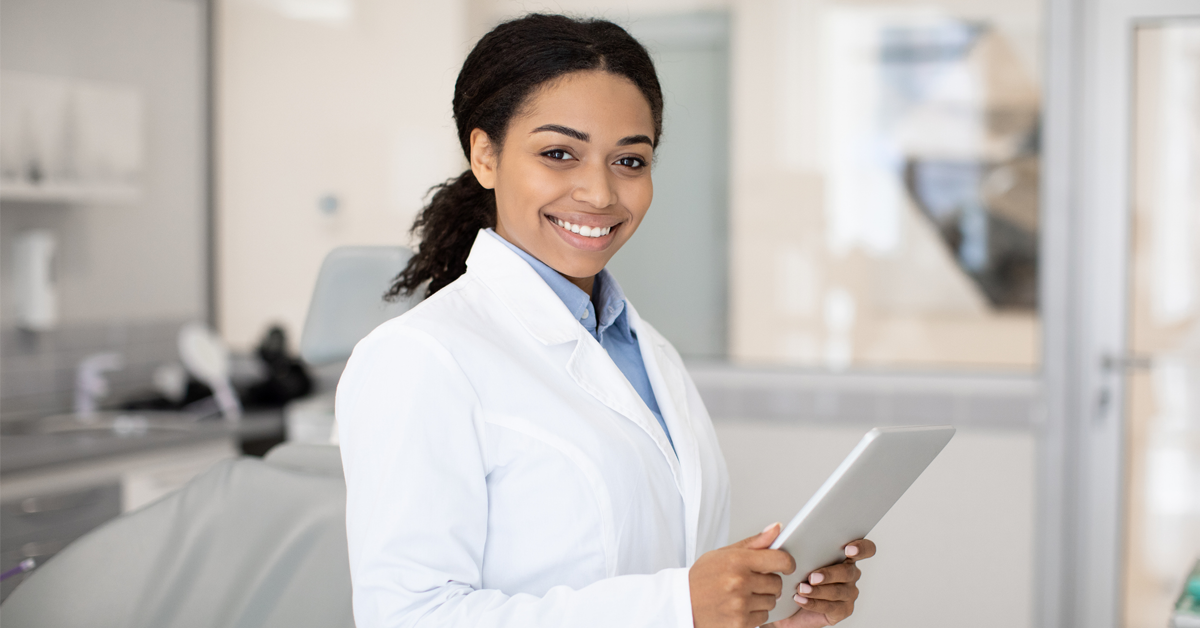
573	179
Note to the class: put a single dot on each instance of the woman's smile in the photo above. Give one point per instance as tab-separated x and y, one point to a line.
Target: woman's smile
589	233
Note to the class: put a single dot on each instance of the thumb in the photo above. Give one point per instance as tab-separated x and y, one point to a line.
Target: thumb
762	540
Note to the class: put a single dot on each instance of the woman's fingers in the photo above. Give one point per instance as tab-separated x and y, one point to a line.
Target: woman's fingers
771	561
861	549
759	602
833	611
831	592
841	572
766	584
762	540
738	584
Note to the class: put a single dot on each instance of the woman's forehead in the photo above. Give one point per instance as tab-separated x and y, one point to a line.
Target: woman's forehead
604	106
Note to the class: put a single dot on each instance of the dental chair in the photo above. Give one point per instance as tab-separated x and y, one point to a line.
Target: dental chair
347	304
249	542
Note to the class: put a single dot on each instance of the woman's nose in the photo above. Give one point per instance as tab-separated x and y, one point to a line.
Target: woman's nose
595	187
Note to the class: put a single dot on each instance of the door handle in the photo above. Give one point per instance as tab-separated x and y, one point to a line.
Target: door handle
1116	364
1125	362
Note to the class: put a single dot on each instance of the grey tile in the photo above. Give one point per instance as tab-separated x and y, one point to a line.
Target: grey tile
37	371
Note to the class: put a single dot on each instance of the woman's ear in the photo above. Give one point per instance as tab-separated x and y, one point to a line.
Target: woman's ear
483	159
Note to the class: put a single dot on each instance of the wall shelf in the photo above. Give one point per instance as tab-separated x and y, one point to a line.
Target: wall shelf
69	193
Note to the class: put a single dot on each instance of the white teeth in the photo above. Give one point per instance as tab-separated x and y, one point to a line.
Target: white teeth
584	230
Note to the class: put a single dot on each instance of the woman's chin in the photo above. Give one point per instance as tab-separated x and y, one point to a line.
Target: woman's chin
574	263
580	269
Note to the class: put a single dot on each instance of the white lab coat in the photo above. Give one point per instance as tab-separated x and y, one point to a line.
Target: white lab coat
501	471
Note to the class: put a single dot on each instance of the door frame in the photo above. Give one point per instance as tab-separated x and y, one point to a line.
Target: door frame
1087	217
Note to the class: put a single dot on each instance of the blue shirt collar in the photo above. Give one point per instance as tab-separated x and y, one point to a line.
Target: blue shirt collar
611	297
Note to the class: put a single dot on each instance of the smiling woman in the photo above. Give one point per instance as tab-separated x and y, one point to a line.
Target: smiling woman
575	182
509	81
522	449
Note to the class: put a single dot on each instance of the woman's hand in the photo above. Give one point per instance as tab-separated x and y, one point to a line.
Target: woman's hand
827	595
736	586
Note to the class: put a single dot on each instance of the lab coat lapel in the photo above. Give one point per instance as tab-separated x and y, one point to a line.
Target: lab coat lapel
544	316
670	390
595	372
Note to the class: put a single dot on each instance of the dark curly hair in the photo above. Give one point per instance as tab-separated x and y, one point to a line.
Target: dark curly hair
499	75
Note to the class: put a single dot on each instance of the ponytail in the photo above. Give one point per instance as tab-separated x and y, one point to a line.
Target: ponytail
500	73
447	227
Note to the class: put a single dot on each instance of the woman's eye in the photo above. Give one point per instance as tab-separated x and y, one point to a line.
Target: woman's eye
631	162
557	154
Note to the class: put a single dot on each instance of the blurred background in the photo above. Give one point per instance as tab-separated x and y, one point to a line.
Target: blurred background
983	213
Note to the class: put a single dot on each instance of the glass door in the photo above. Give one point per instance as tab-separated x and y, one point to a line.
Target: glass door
1162	365
1119	485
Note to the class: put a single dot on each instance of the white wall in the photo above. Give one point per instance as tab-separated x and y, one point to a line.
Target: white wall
145	261
956	551
357	108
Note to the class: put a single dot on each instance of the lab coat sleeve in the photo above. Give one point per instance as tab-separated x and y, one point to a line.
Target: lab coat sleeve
414	451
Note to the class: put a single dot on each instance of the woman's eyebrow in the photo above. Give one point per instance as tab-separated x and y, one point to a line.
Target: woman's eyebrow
565	130
584	137
635	139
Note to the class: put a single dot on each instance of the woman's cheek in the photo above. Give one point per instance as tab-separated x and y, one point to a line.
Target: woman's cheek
547	186
640	196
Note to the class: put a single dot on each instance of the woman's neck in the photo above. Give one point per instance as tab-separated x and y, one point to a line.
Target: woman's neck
583	283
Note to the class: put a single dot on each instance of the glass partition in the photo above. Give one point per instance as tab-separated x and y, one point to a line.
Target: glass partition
885	185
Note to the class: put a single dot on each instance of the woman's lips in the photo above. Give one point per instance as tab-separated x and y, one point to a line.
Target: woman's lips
584	230
581	236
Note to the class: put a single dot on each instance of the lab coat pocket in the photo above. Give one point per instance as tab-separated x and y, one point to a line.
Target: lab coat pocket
557	489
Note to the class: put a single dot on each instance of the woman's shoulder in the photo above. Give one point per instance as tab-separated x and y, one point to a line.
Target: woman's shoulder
460	306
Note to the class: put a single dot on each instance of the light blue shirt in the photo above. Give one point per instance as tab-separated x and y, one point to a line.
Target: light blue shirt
611	328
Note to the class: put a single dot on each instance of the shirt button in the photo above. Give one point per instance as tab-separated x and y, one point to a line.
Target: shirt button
585	314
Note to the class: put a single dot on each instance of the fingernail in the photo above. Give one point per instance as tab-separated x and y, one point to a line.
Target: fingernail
800	600
768	528
816	578
852	550
804	588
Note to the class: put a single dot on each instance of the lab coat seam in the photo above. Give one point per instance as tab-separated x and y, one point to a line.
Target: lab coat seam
637	491
476	406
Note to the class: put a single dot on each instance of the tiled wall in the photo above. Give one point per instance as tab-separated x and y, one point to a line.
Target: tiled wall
37	371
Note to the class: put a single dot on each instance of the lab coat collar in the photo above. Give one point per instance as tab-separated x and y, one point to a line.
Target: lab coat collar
611	298
522	291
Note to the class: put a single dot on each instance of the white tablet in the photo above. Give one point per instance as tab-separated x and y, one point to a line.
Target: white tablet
849	504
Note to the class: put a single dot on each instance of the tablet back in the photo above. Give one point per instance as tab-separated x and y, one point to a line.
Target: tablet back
858	494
